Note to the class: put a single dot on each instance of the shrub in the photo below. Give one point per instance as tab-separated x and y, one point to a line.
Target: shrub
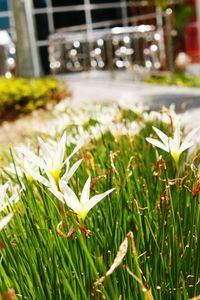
20	95
179	79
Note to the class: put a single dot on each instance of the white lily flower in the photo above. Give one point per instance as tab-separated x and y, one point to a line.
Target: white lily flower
173	145
70	172
5	199
53	155
82	207
51	160
5	220
50	181
22	167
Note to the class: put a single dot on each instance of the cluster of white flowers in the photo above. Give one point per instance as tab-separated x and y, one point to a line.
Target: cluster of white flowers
46	168
51	167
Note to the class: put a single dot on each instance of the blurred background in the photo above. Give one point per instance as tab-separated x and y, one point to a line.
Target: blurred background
39	37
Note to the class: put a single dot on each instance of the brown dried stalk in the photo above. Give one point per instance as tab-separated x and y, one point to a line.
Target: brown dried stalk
117	261
72	230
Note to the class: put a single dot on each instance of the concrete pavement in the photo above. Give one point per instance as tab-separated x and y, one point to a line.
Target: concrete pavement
100	87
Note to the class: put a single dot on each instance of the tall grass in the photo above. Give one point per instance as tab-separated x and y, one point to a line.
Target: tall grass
162	214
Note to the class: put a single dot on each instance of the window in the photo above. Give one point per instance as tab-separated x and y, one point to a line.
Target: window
4	23
67	2
44	59
3	5
39	3
67	19
99	15
104	1
41	26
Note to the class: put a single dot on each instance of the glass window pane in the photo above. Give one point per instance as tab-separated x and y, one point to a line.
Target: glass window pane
139	10
104	1
42	30
4	23
99	15
3	5
66	2
44	59
39	3
66	19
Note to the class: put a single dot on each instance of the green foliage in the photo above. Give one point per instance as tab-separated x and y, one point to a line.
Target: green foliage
20	95
183	15
162	214
179	79
161	3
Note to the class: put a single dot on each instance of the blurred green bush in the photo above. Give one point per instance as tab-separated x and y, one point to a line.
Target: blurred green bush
178	79
21	95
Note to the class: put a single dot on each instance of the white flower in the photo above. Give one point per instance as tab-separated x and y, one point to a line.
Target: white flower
56	126
166	115
51	160
5	199
52	154
5	220
173	145
82	207
21	167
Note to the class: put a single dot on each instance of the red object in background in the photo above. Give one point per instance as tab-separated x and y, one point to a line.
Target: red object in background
191	38
191	42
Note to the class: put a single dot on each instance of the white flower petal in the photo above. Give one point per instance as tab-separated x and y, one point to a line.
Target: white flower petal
164	138
95	199
185	146
14	198
3	189
173	146
13	169
85	195
57	194
70	197
61	148
46	153
177	138
190	135
78	146
5	220
39	178
32	157
70	173
158	144
5	203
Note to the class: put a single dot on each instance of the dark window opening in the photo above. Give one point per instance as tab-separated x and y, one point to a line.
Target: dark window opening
110	14
66	2
39	3
41	26
67	19
43	51
4	23
104	1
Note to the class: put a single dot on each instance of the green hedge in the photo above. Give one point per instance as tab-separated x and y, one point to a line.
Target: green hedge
20	95
178	79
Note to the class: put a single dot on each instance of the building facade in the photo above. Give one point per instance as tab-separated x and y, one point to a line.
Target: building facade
45	17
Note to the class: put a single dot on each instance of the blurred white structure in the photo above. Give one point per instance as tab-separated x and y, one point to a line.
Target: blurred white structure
7	54
46	17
